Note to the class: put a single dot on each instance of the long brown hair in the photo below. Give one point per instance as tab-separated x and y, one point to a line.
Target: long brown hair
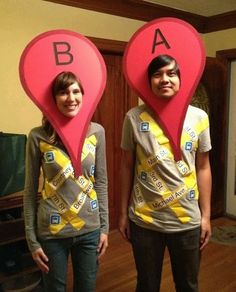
61	82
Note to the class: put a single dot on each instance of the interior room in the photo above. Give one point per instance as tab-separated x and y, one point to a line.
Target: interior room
110	25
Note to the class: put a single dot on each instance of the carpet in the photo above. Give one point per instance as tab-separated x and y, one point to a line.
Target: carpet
224	235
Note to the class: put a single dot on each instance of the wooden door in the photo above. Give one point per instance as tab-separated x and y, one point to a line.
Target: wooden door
116	101
213	101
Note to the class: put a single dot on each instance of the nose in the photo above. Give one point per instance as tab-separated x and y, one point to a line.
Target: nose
70	96
164	78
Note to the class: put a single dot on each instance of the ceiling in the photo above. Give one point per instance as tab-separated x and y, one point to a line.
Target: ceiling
200	7
205	15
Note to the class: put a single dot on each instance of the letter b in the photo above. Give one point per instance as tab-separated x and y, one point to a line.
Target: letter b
62	53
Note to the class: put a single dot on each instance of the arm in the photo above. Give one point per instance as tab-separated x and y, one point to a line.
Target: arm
101	188
127	174
204	185
30	201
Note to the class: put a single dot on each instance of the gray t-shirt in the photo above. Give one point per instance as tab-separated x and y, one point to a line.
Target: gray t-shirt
165	192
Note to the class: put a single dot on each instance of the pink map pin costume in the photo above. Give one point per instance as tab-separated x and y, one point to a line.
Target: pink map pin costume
49	54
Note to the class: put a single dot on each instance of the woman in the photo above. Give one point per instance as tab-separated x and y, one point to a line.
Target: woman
72	214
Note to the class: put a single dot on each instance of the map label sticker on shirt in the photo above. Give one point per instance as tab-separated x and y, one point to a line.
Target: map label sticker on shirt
191	195
94	205
55	219
191	133
182	168
188	146
49	157
159	184
92	170
143	175
138	194
144	127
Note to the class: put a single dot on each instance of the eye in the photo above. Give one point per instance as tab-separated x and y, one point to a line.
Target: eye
156	75
76	91
62	92
172	73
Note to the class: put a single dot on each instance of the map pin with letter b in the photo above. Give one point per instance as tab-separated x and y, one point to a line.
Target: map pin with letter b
46	56
178	39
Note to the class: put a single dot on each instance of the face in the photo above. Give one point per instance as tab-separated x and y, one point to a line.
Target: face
165	82
69	101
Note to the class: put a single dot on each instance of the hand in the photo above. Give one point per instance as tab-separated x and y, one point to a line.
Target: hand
124	227
205	232
41	260
103	244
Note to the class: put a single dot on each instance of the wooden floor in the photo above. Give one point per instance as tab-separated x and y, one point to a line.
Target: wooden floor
117	271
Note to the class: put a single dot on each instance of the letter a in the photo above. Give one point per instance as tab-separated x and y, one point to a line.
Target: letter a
66	52
156	43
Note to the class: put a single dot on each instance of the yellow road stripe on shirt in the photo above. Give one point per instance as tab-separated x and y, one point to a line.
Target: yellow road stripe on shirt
77	223
155	129
147	163
157	132
66	172
204	124
60	158
142	210
69	215
89	147
55	228
152	176
158	182
87	187
182	168
57	181
180	212
143	213
78	203
169	198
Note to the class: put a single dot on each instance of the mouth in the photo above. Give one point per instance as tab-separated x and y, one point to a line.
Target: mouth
165	87
71	107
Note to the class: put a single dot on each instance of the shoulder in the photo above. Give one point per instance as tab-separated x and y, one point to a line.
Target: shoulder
136	111
37	132
36	135
197	112
197	115
96	128
197	118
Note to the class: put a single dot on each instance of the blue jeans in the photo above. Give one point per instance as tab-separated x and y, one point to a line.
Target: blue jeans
148	249
83	251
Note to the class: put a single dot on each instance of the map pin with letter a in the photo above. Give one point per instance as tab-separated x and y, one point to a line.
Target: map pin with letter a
46	56
178	39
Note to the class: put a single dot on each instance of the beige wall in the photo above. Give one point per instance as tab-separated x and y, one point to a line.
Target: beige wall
22	20
220	40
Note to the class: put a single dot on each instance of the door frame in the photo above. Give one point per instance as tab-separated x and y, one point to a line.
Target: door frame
226	57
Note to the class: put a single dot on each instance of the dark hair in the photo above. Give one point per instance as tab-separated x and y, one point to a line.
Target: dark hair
61	82
159	62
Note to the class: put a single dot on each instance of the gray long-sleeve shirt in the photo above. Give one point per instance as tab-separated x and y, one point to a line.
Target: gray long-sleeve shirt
69	206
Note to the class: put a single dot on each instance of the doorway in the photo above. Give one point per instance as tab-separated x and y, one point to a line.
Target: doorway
231	151
117	99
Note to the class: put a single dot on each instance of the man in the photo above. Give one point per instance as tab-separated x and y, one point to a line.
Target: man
165	203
